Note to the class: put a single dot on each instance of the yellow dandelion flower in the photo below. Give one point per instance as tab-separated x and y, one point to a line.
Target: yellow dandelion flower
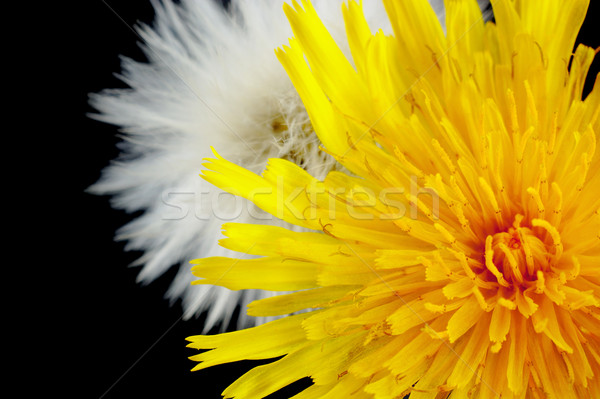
460	255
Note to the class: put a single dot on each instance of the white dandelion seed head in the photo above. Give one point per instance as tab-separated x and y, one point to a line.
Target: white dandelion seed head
211	79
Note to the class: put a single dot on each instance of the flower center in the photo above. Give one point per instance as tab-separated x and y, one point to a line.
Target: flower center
515	256
293	138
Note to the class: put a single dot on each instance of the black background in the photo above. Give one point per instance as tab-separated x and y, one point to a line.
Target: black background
113	337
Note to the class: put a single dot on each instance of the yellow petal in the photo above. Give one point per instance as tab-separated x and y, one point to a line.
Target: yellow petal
516	370
326	122
499	324
329	66
279	192
464	318
294	302
252	343
330	355
475	347
273	273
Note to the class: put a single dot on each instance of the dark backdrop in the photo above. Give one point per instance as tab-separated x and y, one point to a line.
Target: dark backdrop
117	338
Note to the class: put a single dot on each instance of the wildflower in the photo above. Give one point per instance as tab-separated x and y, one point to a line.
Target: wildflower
460	255
211	79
